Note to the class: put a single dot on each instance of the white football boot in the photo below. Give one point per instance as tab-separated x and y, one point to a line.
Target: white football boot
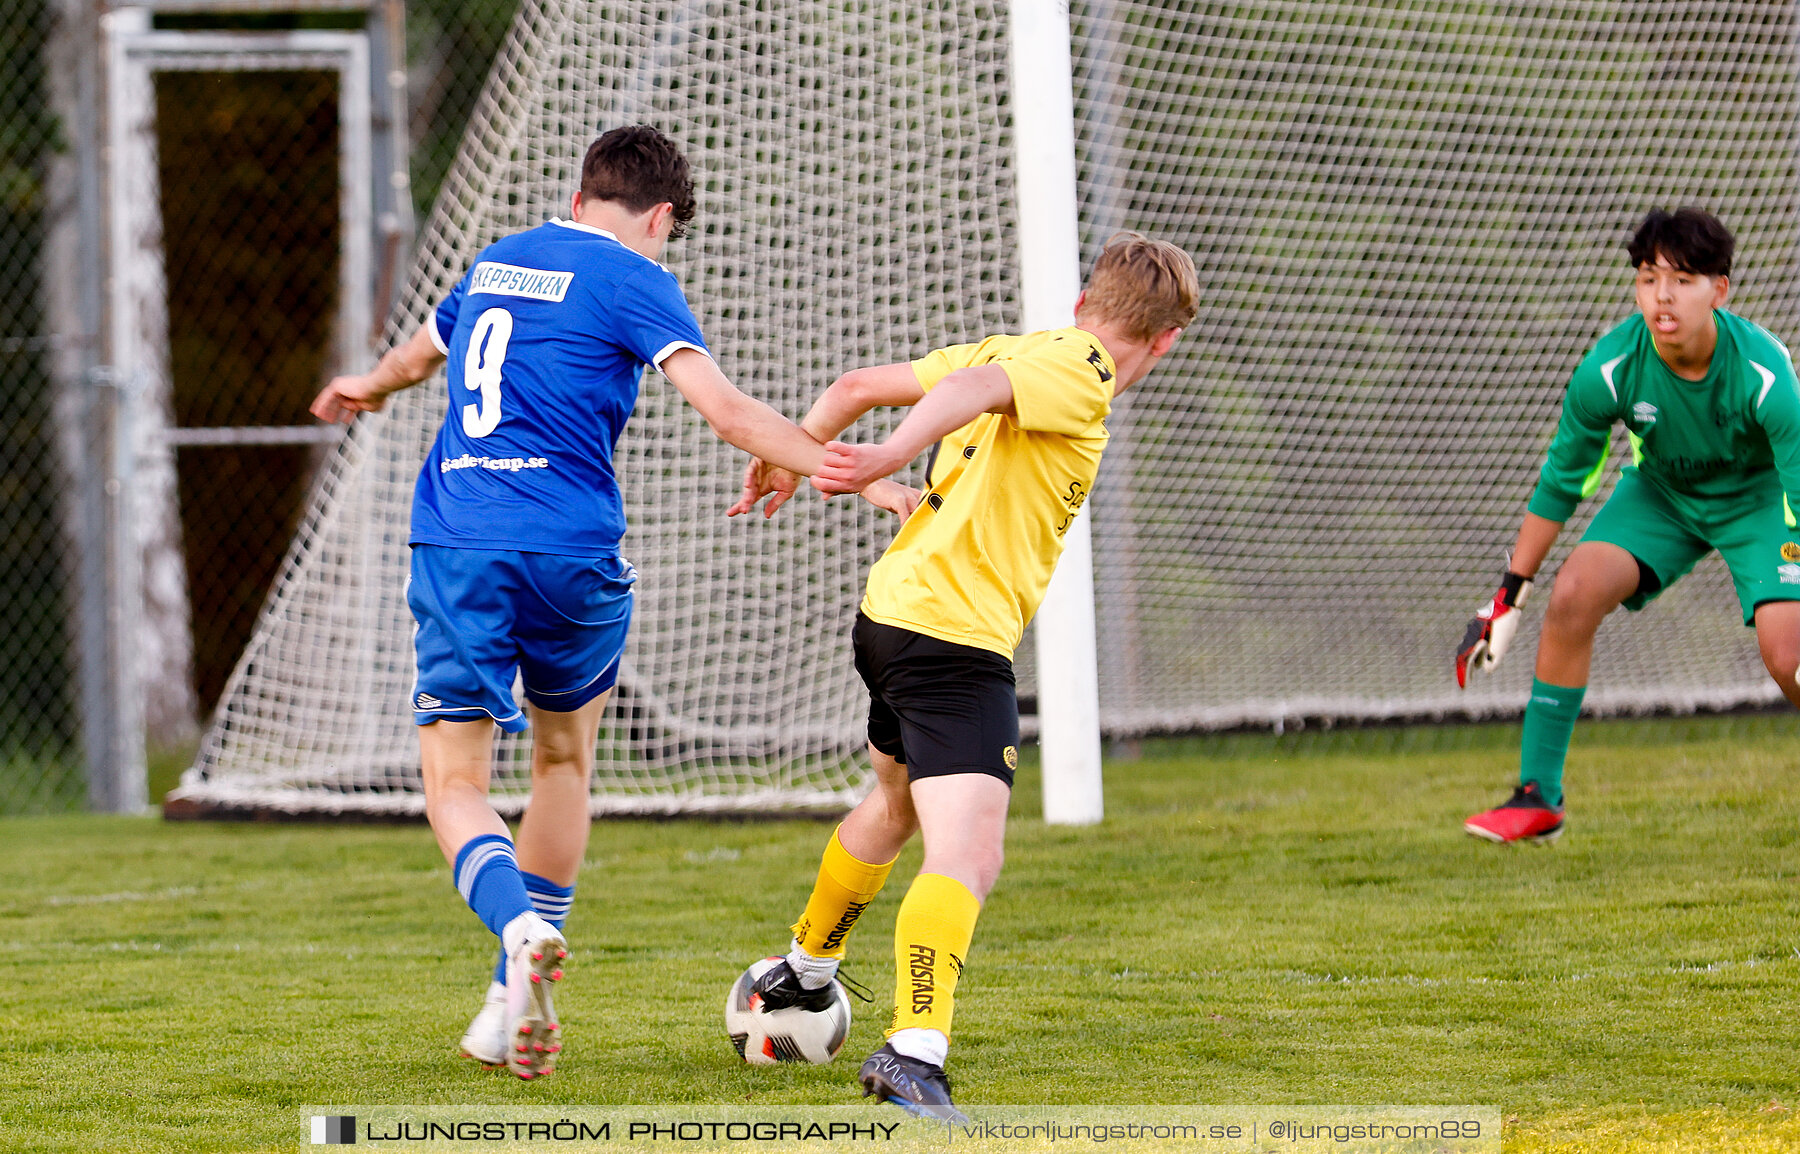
485	1039
534	963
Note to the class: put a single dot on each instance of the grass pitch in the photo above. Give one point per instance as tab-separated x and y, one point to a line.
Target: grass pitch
1259	920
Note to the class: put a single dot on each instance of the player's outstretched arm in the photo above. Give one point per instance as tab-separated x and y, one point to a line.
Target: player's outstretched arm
1490	632
739	419
958	399
1571	472
400	367
858	391
838	407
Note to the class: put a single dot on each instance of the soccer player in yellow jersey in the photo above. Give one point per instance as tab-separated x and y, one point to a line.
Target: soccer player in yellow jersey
1019	424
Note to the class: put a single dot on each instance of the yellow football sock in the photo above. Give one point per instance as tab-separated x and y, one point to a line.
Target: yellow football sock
844	890
931	938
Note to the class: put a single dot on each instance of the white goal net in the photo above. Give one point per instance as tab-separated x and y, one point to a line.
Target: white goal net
1409	221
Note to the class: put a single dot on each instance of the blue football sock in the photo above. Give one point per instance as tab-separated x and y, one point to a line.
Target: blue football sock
487	876
551	901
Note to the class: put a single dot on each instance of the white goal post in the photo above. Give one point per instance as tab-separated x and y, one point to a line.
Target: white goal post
1068	697
1408	222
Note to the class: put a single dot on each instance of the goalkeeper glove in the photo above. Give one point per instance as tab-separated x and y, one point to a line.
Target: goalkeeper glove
1485	641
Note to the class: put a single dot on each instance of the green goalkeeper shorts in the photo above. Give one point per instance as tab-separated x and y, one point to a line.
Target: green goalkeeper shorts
1669	534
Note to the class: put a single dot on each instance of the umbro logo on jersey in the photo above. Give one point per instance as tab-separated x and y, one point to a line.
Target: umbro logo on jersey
1099	363
426	701
1645	412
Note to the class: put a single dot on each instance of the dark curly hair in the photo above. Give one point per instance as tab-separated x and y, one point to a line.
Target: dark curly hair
1691	239
640	168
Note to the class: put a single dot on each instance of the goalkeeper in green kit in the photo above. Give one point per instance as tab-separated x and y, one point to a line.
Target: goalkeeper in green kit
1713	410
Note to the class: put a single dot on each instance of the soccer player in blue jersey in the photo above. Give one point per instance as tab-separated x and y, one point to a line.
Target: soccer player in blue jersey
516	524
1712	407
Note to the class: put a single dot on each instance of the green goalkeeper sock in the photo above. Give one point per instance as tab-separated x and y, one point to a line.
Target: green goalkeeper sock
1549	723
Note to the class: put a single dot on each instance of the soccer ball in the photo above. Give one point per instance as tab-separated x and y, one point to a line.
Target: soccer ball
765	1037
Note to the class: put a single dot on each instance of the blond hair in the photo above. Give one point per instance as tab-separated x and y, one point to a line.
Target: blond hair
1143	286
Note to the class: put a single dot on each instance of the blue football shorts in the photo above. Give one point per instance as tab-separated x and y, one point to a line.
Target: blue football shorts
488	615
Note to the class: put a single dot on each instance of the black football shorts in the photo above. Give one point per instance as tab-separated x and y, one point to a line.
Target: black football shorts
938	707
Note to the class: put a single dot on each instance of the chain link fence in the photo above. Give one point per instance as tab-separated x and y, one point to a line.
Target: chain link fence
40	765
249	186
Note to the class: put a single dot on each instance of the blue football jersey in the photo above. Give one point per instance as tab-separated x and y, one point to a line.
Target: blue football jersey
547	337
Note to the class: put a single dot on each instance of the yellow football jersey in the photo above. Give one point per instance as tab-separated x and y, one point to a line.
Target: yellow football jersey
971	565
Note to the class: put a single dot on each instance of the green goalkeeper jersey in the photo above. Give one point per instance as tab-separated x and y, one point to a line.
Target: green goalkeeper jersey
1709	445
